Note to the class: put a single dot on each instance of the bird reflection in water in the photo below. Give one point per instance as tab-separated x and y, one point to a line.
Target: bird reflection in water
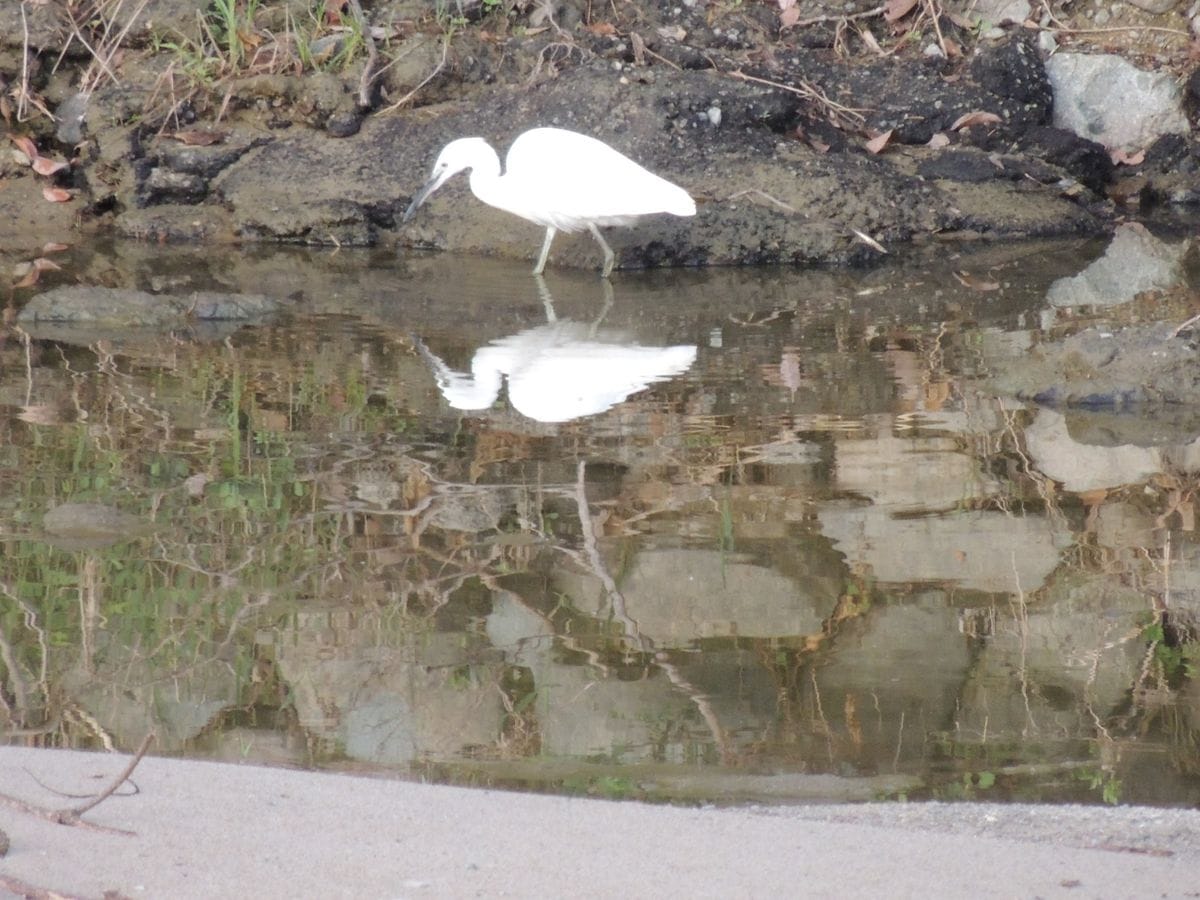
559	371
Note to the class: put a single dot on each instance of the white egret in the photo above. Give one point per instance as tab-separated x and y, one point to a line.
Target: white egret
561	180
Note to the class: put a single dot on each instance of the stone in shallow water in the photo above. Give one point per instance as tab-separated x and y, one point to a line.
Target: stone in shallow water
120	307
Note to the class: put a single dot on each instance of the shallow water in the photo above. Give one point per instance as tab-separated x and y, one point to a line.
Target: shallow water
712	535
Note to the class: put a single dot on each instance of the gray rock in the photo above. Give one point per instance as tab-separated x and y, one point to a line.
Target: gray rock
128	308
1107	99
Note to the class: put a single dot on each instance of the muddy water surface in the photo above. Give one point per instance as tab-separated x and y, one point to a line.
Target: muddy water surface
705	535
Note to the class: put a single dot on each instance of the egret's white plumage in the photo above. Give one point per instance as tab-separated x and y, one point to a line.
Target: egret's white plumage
561	180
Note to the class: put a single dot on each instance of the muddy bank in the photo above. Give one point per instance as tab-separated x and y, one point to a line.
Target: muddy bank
767	128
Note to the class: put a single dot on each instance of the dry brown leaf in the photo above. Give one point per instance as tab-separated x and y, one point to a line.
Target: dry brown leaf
877	143
978	117
199	137
1120	158
29	274
895	10
44	166
639	48
967	280
672	33
938	141
56	195
26	146
602	29
789	370
6	110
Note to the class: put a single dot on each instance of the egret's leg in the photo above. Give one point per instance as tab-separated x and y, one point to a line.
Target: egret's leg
541	263
547	299
609	256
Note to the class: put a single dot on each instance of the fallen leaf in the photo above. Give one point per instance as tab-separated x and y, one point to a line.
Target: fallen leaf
602	29
938	141
1120	158
199	137
42	264
53	247
56	195
978	117
877	143
967	280
672	33
789	370
789	17
786	4
894	10
30	272
44	166
868	38
869	241
639	48
26	146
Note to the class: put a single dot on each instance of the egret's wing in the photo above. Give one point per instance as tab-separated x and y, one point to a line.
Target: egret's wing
568	180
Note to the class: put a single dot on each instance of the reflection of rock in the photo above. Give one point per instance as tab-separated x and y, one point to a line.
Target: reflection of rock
1119	525
130	697
1134	262
560	371
516	630
1085	467
78	526
679	596
899	670
1183	589
920	473
388	697
582	710
471	511
982	551
1100	368
1047	667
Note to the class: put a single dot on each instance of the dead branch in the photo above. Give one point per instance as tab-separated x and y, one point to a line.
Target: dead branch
116	782
72	816
808	92
367	81
816	20
33	892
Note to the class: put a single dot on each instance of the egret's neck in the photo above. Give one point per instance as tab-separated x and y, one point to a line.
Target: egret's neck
485	177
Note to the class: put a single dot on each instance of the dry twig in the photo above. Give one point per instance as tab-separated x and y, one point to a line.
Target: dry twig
72	816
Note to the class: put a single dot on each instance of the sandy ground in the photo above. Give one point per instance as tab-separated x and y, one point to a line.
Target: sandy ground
218	830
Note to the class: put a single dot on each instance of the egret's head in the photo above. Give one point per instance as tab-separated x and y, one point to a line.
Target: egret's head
456	156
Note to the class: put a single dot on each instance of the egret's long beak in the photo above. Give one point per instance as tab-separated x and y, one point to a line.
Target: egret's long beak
423	194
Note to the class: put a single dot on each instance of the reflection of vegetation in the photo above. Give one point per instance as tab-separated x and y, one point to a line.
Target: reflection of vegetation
334	561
